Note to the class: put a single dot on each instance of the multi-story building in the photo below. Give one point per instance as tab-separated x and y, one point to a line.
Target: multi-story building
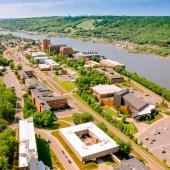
88	141
87	55
66	51
45	44
24	74
43	98
56	48
28	156
51	63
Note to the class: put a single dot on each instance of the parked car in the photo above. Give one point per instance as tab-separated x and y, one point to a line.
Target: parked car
69	161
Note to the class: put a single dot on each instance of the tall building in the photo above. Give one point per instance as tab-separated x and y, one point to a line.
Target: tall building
28	156
45	44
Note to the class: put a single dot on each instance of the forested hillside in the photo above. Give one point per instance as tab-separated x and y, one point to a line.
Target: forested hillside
153	31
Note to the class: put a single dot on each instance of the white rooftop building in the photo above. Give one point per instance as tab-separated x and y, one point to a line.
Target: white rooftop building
51	63
105	90
88	141
38	54
28	156
111	63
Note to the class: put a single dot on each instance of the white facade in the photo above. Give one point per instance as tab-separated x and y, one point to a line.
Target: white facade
111	63
105	142
28	156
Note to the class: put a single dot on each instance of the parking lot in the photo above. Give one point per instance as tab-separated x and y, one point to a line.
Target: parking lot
65	113
157	139
69	77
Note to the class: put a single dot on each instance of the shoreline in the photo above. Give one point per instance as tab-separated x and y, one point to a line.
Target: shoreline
129	47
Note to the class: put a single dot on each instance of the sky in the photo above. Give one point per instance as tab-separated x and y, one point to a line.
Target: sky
38	8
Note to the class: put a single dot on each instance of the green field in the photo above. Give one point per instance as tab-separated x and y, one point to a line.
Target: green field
110	111
87	25
67	85
132	128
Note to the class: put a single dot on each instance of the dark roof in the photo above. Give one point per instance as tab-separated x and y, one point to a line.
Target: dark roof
132	164
138	103
122	92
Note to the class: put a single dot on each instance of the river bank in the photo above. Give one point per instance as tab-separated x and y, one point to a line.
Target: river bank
149	66
130	47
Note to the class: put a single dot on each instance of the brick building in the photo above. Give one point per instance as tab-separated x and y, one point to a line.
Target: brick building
45	44
66	51
43	98
56	48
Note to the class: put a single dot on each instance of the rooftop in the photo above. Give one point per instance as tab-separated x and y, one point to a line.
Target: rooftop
51	62
114	63
132	164
39	53
138	103
27	142
105	142
106	89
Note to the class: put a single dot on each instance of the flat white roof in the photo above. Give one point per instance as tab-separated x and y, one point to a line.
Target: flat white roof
146	110
70	134
27	142
106	88
43	66
115	63
37	54
51	62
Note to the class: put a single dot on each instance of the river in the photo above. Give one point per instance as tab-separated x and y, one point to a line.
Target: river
154	68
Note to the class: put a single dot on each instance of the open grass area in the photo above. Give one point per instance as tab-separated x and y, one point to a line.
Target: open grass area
110	111
87	25
132	128
157	117
60	124
68	119
87	166
67	85
47	155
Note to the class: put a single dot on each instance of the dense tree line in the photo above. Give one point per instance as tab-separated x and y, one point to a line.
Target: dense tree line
7	102
7	144
41	119
79	118
138	30
146	83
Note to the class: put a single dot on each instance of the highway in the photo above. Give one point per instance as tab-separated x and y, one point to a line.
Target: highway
76	103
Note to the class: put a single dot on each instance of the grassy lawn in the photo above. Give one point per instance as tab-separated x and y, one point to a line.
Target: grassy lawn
87	166
132	128
67	85
157	117
61	124
87	25
68	119
110	111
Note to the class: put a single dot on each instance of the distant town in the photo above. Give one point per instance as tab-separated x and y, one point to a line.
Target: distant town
61	108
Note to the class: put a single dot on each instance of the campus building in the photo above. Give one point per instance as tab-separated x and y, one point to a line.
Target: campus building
87	55
28	156
51	63
45	44
43	98
88	141
137	106
24	74
66	51
56	48
111	64
113	78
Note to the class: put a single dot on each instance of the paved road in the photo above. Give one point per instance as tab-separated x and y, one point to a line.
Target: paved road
57	148
152	164
11	81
